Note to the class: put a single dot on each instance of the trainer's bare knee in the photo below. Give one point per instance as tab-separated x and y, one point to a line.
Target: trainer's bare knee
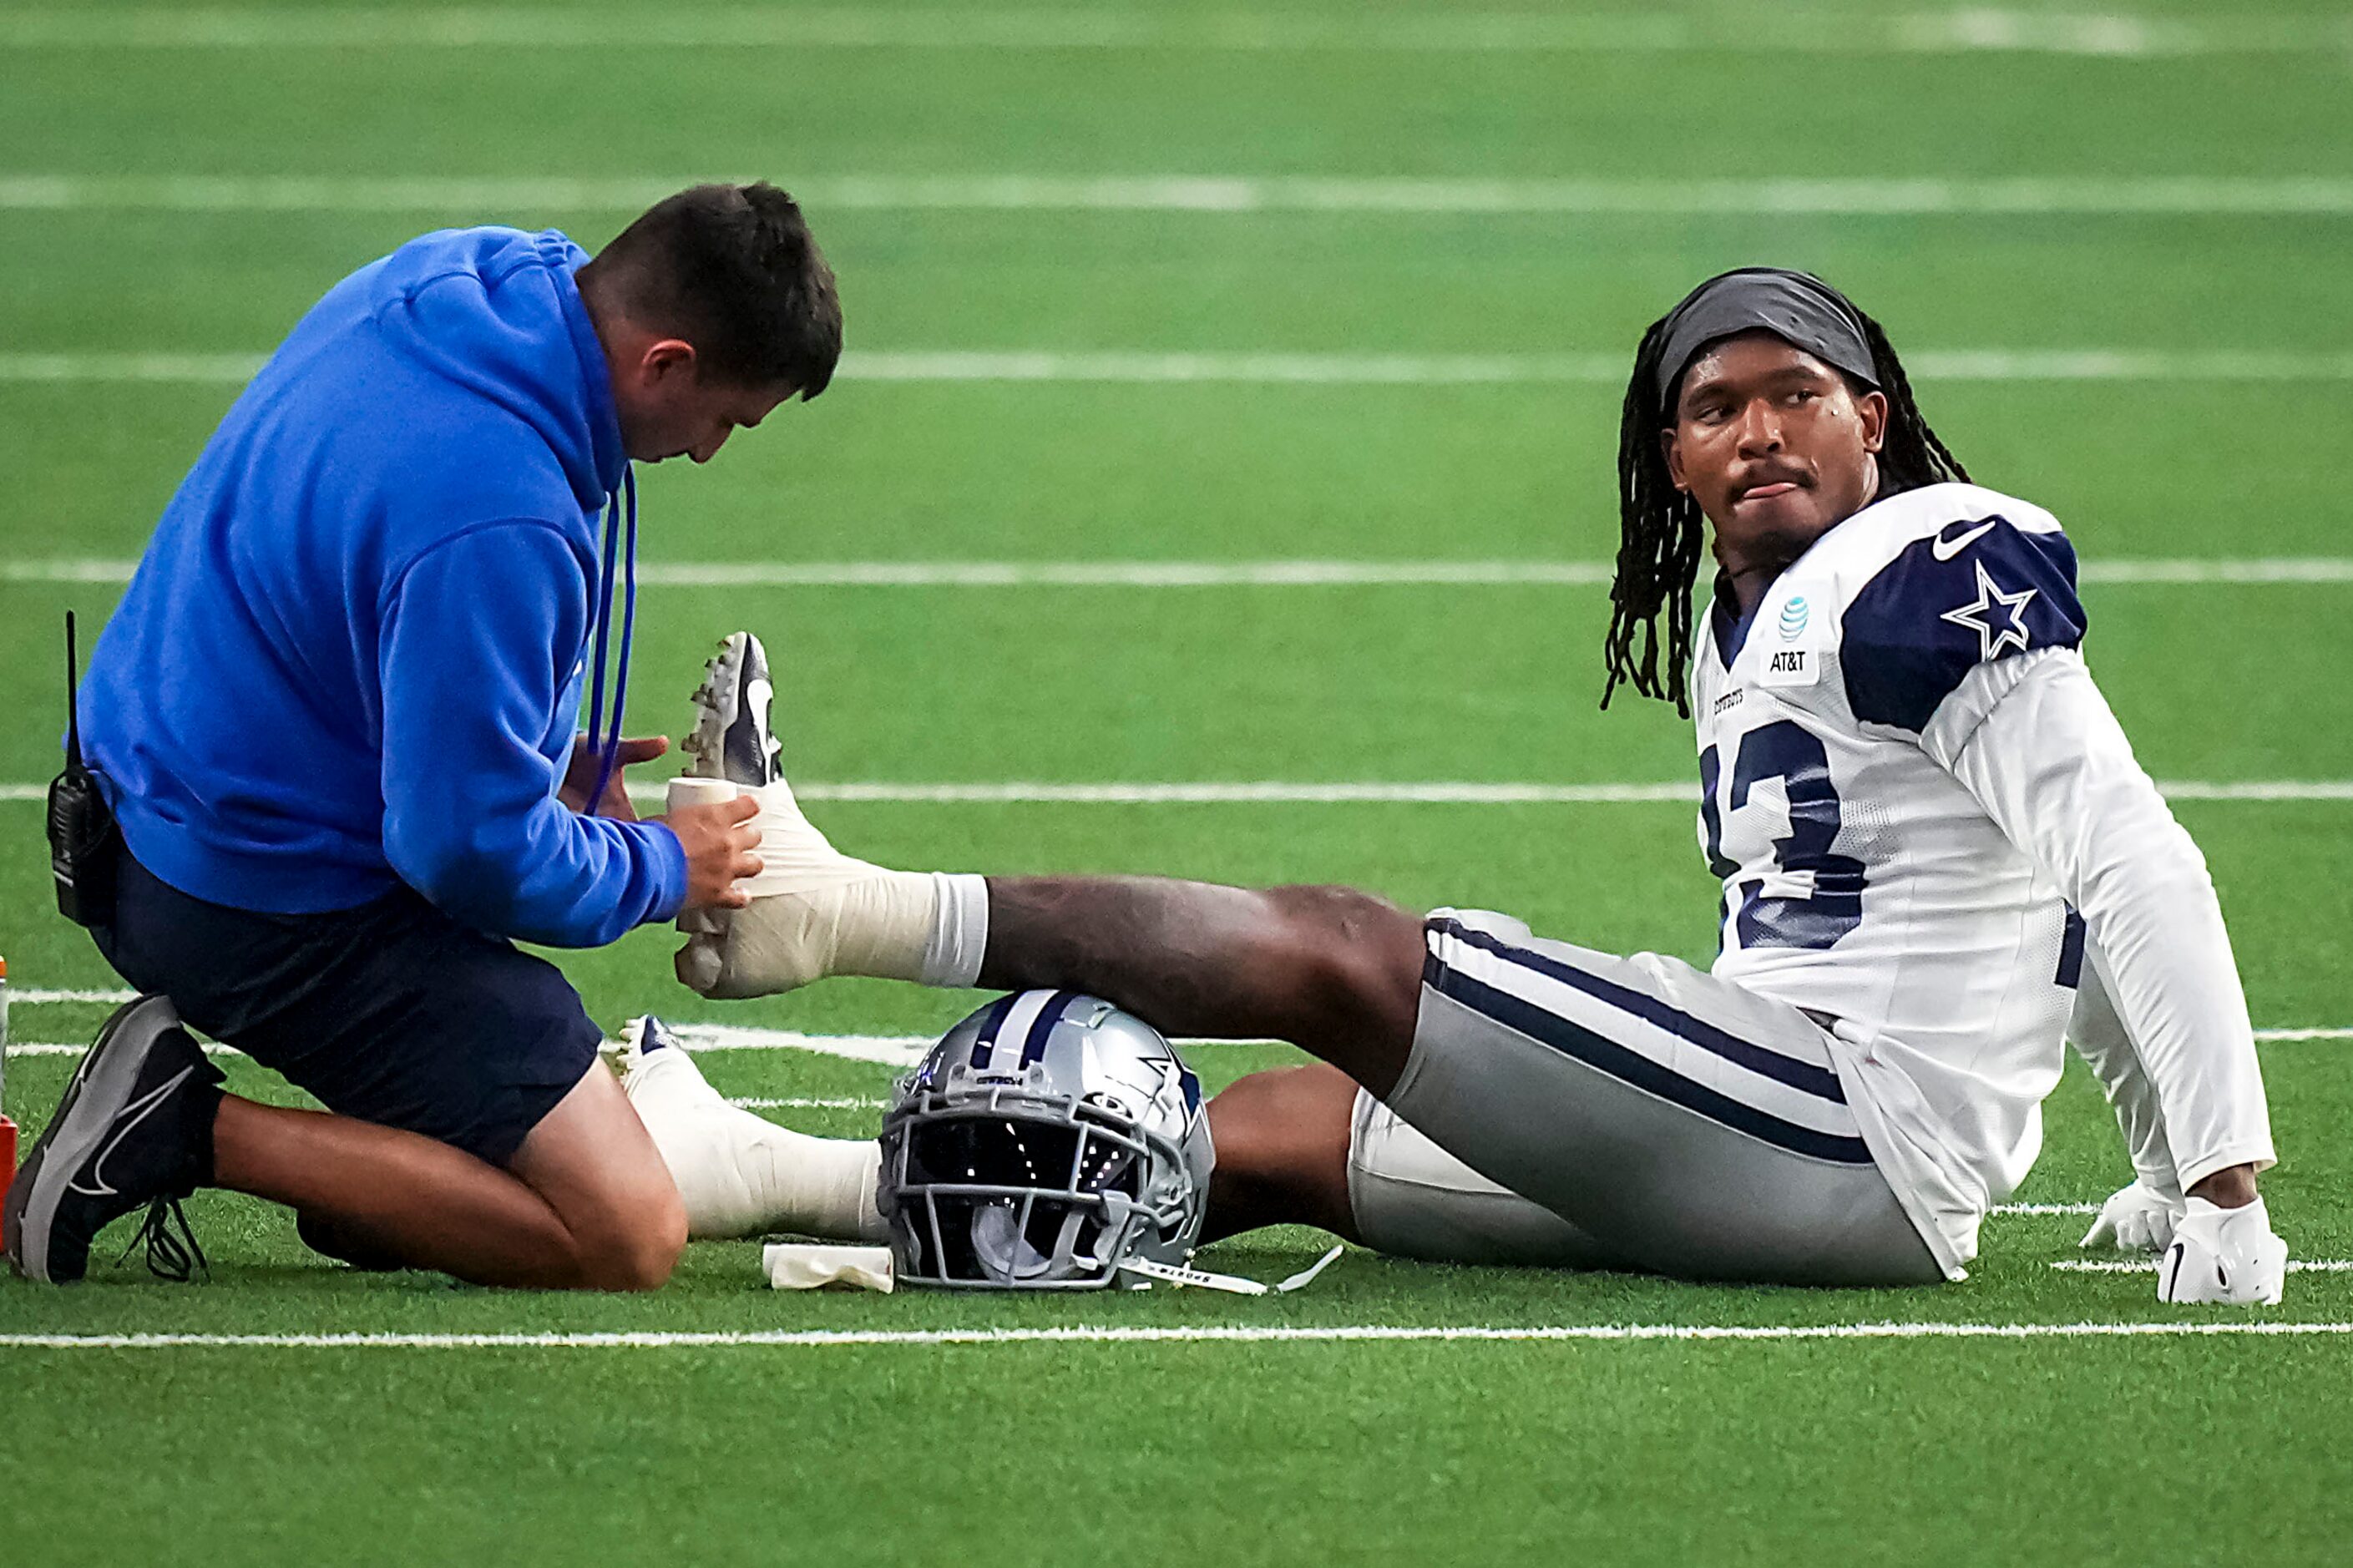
639	1252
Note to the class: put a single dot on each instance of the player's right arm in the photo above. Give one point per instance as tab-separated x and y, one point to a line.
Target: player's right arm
2034	742
2139	1218
1965	637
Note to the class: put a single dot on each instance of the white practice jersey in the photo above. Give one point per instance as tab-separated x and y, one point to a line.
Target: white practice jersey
1909	786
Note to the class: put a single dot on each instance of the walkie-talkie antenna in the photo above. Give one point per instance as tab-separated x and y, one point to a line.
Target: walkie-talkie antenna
73	699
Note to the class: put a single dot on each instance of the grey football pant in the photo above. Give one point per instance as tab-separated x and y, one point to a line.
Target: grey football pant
1568	1108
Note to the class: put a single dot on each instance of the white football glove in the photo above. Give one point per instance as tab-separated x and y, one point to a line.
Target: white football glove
2223	1255
2138	1218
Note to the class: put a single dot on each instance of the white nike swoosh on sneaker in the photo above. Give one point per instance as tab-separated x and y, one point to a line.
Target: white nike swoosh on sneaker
1946	549
133	1115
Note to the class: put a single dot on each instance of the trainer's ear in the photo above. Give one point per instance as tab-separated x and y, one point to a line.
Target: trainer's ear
665	358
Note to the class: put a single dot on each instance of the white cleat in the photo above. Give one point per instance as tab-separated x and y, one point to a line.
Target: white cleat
815	911
733	737
656	1070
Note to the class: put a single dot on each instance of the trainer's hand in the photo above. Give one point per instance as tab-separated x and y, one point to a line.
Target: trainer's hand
717	839
580	775
2138	1218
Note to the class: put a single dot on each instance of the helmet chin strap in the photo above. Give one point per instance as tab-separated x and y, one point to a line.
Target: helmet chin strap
1146	1268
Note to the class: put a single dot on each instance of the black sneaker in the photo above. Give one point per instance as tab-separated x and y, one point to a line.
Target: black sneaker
731	738
133	1130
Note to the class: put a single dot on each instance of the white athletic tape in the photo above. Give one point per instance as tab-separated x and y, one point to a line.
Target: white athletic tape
814	1266
1354	1334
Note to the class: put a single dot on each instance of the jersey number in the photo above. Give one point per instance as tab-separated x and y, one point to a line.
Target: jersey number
1785	751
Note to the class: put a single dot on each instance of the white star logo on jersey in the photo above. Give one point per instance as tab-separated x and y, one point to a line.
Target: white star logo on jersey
1978	616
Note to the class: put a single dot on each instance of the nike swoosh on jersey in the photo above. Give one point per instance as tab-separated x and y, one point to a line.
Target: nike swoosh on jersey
1946	549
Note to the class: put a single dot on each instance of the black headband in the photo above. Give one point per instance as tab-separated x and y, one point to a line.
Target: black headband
1795	307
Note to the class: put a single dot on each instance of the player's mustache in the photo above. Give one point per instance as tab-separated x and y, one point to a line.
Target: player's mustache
1764	473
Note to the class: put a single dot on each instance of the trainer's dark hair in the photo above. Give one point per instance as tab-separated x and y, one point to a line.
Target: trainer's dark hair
1660	535
732	271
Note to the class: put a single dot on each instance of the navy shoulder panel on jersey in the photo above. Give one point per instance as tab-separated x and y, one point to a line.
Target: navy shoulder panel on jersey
1975	591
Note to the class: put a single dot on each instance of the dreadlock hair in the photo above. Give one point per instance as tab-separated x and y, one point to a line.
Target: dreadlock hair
1660	531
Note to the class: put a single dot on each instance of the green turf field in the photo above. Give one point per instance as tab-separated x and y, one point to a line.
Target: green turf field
2174	382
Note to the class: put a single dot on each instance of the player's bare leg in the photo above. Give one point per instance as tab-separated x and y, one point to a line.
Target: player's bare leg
1332	970
585	1204
1336	971
1281	1138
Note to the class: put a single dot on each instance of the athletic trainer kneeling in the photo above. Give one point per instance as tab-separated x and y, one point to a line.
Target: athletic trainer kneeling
335	718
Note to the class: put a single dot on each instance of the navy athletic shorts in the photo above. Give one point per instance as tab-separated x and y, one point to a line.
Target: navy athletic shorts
392	1013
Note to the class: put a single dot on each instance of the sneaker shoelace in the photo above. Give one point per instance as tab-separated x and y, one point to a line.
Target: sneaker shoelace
173	1252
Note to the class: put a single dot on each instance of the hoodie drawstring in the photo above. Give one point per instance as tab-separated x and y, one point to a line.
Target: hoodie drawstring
608	742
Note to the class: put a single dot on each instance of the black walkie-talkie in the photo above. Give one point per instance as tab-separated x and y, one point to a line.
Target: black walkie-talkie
82	840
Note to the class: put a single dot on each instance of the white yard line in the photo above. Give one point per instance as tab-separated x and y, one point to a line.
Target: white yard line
2045	1208
1265	791
1607	1334
891	1050
2258	571
76	1049
1427	793
1816	31
107	366
2149	1266
1247	793
2163	196
1142	574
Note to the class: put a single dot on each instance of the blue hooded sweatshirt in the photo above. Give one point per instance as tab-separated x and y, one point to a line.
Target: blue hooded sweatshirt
354	653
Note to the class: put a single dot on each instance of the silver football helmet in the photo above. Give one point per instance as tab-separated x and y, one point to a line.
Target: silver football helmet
1049	1139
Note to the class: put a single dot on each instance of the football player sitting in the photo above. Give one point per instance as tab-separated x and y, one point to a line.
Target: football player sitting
1935	846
